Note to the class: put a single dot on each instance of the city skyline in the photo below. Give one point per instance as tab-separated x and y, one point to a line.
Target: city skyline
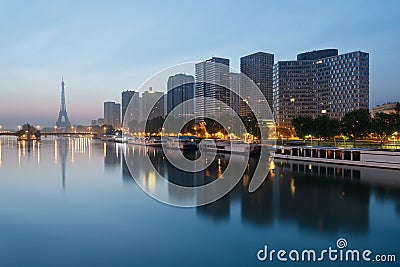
92	46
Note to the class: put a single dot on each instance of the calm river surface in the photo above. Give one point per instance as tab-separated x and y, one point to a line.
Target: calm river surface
73	202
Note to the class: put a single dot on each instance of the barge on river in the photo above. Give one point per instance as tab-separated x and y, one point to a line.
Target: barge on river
351	156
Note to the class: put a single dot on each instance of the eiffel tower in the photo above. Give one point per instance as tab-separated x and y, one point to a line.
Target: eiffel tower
63	110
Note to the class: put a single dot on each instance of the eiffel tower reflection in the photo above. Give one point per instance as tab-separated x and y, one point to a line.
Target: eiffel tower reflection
62	147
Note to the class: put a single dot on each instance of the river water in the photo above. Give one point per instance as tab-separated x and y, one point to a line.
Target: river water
73	202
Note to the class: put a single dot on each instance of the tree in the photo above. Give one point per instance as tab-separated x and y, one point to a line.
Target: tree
321	127
356	124
251	124
303	126
383	125
214	126
154	125
334	128
283	131
108	129
189	127
325	127
397	122
397	108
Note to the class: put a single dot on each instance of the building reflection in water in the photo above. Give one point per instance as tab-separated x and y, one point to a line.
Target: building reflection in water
65	145
1	153
217	211
317	197
62	146
26	149
136	156
258	207
323	202
126	175
112	153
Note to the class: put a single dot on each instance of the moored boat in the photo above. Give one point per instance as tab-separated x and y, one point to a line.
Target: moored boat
350	156
227	146
184	143
155	141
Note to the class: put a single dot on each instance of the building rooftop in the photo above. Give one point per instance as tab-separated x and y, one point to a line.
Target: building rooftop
318	54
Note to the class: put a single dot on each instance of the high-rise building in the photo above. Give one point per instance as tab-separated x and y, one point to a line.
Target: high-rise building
112	114
180	88
152	104
320	82
212	81
126	97
259	68
234	85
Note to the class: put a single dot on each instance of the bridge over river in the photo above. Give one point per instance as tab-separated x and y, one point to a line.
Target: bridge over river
44	134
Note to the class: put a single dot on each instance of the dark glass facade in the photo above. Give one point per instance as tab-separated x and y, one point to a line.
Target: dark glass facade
180	88
332	86
259	68
212	81
125	99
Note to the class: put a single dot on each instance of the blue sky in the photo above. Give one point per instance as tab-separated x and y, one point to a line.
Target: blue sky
102	48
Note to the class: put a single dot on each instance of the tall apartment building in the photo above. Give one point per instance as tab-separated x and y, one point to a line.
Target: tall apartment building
212	81
180	88
320	82
259	68
112	114
126	97
131	107
152	104
234	85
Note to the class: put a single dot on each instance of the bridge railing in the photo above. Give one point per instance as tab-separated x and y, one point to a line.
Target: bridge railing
49	133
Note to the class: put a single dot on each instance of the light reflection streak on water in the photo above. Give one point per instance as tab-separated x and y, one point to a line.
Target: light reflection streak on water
90	149
151	181
55	151
23	148
38	153
72	150
292	187
19	154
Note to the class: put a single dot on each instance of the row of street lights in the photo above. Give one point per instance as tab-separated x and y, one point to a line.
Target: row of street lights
19	127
